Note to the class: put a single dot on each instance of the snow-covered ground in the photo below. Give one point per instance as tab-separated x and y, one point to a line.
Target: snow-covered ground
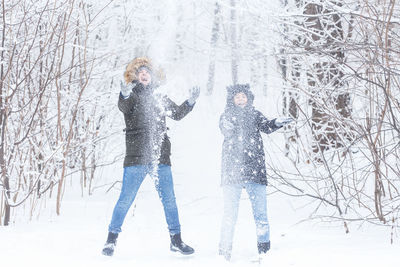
76	237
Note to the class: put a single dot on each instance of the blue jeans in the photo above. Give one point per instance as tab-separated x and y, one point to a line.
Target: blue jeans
133	178
258	198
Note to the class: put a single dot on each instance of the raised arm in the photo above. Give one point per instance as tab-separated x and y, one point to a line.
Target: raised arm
126	99
177	112
265	125
126	104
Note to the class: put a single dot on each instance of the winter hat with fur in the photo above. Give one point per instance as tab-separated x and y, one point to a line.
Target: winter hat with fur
239	88
157	76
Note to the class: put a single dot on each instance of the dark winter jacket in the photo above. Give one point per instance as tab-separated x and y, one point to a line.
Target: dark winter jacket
243	158
146	131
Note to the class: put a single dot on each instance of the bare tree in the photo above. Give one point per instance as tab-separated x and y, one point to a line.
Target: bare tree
345	69
45	70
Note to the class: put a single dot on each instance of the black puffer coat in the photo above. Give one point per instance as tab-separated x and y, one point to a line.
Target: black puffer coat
243	158
146	131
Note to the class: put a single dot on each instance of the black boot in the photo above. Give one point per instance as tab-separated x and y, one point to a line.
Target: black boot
263	247
178	245
108	249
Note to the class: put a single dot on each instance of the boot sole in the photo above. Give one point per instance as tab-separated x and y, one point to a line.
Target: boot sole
183	253
107	254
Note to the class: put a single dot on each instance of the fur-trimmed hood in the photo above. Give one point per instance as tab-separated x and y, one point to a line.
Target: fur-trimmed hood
157	75
238	88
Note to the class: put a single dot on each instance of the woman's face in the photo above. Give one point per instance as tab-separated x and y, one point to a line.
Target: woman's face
240	99
144	76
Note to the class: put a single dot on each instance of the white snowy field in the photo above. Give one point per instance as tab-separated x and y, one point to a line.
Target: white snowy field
75	238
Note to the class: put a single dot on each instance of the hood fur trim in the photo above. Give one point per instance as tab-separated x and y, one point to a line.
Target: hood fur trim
130	74
239	88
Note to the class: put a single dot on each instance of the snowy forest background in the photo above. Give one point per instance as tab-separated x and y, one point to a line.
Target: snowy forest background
332	65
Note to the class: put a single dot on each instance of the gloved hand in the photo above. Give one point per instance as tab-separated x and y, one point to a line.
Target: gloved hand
126	89
194	94
279	122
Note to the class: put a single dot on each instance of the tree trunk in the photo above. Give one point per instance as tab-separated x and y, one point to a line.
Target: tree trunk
326	73
3	122
234	44
213	47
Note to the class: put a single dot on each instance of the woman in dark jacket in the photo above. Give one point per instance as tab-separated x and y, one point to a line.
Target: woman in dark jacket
148	148
243	164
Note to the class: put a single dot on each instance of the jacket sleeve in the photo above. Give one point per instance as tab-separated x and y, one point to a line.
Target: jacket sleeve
265	125
175	111
126	104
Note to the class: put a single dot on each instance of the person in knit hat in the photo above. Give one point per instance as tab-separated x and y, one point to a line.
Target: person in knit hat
243	164
148	147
